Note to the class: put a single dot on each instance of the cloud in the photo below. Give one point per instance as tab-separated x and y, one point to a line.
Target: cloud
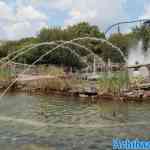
30	14
24	21
99	12
5	11
53	4
146	13
24	18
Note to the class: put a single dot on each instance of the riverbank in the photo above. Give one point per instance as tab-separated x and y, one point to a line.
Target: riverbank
55	81
75	88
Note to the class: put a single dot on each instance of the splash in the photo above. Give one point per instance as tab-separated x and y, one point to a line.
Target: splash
137	54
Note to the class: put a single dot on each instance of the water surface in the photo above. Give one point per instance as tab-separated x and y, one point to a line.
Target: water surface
67	123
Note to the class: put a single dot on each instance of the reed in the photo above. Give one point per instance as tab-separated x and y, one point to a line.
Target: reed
51	70
5	74
46	85
113	82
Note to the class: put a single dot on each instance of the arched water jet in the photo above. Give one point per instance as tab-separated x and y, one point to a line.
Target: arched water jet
104	41
52	43
65	47
85	48
21	52
28	47
13	53
59	46
40	58
71	41
75	53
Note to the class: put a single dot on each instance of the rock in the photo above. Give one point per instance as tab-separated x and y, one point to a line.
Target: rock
106	96
146	94
83	95
134	94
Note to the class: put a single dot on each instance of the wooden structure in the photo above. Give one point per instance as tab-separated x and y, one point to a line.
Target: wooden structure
137	67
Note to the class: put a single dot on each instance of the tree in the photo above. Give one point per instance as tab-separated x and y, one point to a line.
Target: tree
62	56
84	29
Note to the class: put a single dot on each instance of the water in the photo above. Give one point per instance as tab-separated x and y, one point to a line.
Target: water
138	54
20	52
65	123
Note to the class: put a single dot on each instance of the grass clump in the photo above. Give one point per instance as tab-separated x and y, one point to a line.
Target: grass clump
51	70
46	85
113	82
5	74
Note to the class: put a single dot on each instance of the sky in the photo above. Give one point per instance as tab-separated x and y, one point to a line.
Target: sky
25	18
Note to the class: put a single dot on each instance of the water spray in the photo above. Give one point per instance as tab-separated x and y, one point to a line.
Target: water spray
55	48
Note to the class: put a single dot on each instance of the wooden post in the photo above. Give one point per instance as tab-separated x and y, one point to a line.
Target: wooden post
94	66
148	67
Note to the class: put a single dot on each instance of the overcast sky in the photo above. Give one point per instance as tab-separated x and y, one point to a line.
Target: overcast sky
24	18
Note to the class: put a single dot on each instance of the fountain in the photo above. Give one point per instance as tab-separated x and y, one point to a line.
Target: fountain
44	117
138	61
63	43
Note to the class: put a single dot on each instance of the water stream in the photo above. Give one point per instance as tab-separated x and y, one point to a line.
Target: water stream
65	123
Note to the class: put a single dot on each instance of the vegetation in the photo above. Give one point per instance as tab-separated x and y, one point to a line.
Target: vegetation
113	82
47	85
63	56
5	74
70	56
50	70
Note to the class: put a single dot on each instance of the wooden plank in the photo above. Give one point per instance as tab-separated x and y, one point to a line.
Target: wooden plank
139	65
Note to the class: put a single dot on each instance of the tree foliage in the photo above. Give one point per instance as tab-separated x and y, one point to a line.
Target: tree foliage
63	56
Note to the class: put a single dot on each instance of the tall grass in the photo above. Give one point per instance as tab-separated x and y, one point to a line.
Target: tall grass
53	84
5	74
56	84
51	70
113	82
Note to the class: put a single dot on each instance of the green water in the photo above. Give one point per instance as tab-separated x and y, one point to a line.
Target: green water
65	123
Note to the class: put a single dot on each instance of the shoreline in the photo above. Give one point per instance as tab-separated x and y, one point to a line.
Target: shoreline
130	95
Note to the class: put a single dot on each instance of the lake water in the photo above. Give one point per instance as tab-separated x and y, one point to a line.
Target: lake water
66	123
